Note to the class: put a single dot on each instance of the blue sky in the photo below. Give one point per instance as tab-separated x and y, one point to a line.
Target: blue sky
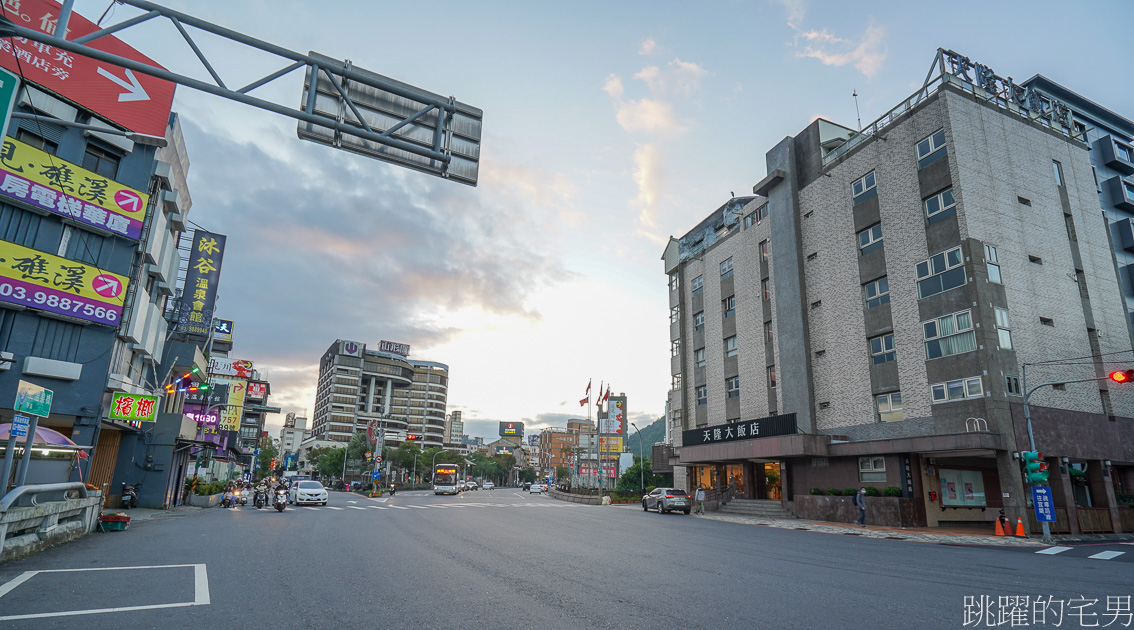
607	128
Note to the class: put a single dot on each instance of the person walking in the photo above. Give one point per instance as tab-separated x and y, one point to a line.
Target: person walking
860	503
699	500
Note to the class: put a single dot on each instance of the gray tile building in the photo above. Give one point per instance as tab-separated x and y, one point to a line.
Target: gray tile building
865	317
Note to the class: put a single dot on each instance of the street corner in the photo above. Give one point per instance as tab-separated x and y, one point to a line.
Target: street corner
93	591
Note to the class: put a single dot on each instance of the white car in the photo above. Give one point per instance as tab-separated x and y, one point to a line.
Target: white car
488	485
537	488
308	492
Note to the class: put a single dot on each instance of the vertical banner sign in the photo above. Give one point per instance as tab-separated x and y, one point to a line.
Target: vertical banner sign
9	82
234	408
200	293
1043	504
907	475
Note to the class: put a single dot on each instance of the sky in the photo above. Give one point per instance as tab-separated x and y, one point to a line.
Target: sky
608	127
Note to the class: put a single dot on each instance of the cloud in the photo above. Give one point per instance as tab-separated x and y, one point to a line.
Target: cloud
613	86
649	116
679	77
648	175
867	54
796	10
648	46
655	115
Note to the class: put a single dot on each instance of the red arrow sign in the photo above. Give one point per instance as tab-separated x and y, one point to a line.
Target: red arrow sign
138	102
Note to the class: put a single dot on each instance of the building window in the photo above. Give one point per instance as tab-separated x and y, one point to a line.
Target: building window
940	206
101	161
730	346
1012	385
674	348
766	288
37	141
864	188
673	281
726	268
889	407
882	349
1003	328
698	285
764	251
768	334
1122	151
993	262
1081	131
877	292
699	357
931	149
728	305
771	376
959	389
674	314
1047	321
732	387
1058	168
749	221
703	395
870	239
949	335
699	321
676	381
872	469
1129	188
942	272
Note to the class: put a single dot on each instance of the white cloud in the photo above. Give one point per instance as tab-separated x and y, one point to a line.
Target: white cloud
867	54
648	46
648	175
613	86
796	10
649	116
679	77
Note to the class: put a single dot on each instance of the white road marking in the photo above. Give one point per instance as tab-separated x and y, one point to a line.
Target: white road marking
398	507
331	507
1106	555
1126	543
200	591
311	508
379	507
1051	551
355	507
419	507
352	501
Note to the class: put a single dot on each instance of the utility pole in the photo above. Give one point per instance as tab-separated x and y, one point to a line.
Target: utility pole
641	461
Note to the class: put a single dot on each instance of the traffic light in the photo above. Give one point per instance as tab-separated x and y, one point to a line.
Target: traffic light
1122	376
412	437
1035	469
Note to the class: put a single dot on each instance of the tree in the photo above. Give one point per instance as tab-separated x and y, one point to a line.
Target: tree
330	463
527	475
268	452
562	473
631	480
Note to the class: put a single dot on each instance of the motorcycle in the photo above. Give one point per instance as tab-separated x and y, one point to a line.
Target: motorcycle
130	495
281	500
228	500
241	496
393	490
261	499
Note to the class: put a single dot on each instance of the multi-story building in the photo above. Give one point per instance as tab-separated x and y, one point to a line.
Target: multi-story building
357	385
454	428
292	435
868	317
557	447
1110	138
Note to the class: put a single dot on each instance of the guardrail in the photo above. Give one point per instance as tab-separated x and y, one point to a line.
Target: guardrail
29	528
36	489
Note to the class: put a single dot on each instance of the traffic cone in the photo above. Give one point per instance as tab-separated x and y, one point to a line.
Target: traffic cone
999	529
1020	527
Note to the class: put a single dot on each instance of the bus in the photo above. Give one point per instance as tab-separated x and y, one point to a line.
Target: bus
446	479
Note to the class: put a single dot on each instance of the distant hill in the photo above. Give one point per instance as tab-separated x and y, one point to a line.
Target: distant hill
655	432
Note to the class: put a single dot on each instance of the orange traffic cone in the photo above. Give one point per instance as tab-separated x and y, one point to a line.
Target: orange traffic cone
1020	527
999	529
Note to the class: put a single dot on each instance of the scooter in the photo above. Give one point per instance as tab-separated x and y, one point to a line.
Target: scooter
281	500
260	500
241	496
393	490
228	500
130	495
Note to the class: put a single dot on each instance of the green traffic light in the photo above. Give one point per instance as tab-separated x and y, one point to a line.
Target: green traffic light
1034	466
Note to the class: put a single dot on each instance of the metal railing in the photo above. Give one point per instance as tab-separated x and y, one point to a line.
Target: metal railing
36	489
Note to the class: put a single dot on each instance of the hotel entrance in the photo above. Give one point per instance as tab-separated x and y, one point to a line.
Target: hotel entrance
769	484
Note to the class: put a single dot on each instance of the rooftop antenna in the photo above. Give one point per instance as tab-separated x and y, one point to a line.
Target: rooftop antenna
857	113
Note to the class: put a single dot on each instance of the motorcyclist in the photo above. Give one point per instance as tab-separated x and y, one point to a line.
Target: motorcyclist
282	485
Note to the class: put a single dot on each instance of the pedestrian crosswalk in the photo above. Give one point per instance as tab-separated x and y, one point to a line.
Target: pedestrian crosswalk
1085	551
437	506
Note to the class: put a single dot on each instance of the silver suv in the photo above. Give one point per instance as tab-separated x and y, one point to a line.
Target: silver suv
667	500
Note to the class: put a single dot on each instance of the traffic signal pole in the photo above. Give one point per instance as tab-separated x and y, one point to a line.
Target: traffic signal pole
1028	419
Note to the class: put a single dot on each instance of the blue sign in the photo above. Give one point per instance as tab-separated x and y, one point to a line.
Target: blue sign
376	475
256	452
19	426
1043	504
247	476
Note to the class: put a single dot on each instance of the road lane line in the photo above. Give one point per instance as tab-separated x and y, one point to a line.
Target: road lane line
398	507
310	508
200	586
1051	551
419	507
379	507
331	507
23	577
1106	555
355	507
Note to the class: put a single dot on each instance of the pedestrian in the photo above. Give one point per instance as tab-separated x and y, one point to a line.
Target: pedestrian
699	499
860	503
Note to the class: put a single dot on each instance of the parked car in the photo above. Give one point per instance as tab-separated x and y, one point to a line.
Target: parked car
537	488
488	485
667	500
308	492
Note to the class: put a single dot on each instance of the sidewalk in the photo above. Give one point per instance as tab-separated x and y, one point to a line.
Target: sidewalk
939	535
138	515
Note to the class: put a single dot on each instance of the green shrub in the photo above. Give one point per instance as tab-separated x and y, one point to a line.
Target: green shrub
891	491
816	491
871	491
850	492
833	492
649	489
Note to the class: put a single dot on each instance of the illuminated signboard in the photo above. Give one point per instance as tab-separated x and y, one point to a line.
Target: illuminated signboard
515	429
133	407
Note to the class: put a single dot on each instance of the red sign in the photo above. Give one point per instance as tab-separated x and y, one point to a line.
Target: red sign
257	390
138	102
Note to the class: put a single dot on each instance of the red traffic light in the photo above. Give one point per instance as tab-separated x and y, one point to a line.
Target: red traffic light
1122	376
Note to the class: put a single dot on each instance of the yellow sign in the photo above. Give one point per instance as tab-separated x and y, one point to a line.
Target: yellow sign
31	278
49	183
610	444
230	415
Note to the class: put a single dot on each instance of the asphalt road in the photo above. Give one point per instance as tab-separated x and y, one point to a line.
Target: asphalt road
506	559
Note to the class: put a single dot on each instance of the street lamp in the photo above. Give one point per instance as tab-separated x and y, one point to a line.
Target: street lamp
641	461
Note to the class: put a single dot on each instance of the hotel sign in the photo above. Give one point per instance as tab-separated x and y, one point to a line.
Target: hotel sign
748	430
1006	90
394	347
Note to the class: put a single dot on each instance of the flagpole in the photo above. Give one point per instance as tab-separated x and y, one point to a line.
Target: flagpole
588	416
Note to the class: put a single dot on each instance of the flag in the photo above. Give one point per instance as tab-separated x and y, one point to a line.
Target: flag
584	401
588	388
598	397
607	396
